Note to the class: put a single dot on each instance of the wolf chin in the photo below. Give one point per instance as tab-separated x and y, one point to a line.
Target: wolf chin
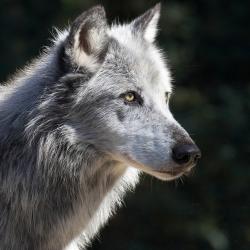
78	125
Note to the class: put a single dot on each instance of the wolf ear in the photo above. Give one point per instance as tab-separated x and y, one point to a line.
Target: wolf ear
88	38
146	24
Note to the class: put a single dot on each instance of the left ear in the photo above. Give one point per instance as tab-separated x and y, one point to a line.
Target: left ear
146	24
87	40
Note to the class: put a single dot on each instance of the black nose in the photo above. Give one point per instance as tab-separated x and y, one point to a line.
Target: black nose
186	153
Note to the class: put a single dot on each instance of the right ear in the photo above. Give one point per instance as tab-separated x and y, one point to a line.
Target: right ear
87	38
146	24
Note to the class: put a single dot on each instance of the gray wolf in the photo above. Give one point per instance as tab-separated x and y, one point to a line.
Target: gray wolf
78	125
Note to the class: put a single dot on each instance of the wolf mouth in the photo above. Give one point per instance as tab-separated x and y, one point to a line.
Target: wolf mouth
170	173
175	171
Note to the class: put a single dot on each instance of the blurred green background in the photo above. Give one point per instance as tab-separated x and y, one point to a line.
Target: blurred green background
208	47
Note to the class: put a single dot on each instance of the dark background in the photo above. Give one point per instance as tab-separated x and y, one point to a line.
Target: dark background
208	47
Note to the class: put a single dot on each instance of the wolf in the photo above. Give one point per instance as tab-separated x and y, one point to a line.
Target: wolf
79	125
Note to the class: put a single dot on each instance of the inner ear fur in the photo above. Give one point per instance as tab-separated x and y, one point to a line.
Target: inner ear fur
88	37
146	24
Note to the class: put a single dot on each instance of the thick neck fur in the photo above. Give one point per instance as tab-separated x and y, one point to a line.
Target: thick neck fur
51	190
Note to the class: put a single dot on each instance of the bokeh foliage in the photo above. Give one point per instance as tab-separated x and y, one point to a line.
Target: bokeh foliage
208	47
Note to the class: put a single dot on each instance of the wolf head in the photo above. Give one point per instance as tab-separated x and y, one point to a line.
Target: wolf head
120	87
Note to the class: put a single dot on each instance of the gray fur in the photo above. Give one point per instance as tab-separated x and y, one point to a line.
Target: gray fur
67	139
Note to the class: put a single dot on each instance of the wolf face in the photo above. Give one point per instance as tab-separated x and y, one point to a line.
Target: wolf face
77	124
122	109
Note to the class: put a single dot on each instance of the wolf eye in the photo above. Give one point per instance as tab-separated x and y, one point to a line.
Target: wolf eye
167	96
129	97
132	97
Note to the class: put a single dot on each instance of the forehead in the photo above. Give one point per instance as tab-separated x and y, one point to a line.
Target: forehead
139	60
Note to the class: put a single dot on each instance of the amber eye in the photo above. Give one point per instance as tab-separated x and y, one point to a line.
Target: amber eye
132	97
129	97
